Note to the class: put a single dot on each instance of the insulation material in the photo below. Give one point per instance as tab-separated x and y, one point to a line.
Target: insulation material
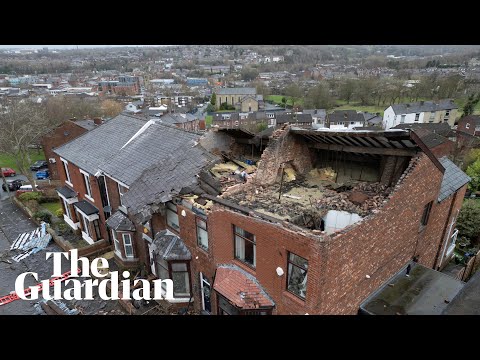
336	220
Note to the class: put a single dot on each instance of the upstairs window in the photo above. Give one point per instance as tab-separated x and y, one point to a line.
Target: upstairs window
172	216
402	119
426	214
245	246
297	275
417	116
202	234
67	173
86	182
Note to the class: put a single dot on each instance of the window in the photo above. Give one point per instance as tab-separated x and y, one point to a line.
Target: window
67	173
96	227
121	192
447	113
467	126
432	116
244	246
85	224
67	209
172	216
426	213
202	234
116	243
180	278
417	116
127	244
205	291
297	275
162	270
402	119
86	181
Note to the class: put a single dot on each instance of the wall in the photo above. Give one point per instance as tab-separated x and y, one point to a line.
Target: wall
216	141
57	137
462	126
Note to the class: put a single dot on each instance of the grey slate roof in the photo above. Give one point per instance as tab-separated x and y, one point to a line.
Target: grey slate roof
439	128
345	116
119	221
236	91
318	113
66	192
94	147
453	179
431	139
85	207
425	106
154	146
86	124
175	169
170	247
301	118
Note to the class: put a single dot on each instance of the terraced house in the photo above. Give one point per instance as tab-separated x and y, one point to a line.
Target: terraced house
316	224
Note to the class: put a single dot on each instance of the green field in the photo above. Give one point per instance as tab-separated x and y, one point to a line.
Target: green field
370	109
208	120
9	161
277	99
52	206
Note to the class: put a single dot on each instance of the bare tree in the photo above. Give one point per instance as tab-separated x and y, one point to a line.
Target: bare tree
23	124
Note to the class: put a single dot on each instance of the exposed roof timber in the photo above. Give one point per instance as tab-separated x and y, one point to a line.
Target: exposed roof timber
357	133
365	150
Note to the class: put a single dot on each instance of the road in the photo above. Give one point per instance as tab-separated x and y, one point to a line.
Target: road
3	194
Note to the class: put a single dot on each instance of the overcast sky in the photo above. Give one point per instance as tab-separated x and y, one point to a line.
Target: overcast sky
64	46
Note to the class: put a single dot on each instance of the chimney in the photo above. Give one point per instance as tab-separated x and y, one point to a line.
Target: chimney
97	121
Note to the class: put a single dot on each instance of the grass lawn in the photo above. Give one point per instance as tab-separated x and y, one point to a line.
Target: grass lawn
52	206
208	120
9	161
277	99
370	109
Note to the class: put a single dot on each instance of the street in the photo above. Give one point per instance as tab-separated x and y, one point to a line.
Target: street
3	194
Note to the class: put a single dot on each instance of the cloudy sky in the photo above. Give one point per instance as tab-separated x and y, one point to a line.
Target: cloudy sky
64	46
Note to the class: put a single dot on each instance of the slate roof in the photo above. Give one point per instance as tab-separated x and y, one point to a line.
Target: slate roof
453	179
237	91
319	113
241	288
171	119
170	247
86	124
66	192
85	207
175	169
120	222
430	139
91	149
439	128
425	106
301	118
154	146
345	116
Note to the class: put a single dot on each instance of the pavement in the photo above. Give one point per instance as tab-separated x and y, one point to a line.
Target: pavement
12	223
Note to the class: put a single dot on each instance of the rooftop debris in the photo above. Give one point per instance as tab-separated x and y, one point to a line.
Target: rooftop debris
31	242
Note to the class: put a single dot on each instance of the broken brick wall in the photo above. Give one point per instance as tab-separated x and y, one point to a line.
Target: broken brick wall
216	142
284	147
392	167
383	243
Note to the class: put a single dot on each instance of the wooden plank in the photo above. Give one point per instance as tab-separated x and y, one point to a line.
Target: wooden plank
364	150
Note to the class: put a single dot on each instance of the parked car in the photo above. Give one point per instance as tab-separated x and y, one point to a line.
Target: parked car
12	185
8	172
26	188
40	164
42	174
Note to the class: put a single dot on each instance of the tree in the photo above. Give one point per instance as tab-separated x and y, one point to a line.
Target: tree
284	102
209	108
469	106
347	89
294	92
249	73
474	172
111	108
22	125
468	222
213	100
319	97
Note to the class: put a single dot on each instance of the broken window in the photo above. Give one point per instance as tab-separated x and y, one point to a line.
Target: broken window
297	275
244	246
426	213
172	216
202	234
206	291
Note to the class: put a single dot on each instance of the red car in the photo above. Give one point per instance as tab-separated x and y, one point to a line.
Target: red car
8	172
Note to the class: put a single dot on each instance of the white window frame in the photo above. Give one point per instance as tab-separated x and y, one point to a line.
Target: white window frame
116	243
202	282
417	117
120	193
88	187
125	245
173	212
197	219
67	172
68	212
432	115
451	247
402	119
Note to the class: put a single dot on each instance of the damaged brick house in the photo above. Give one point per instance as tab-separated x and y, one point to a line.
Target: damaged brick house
348	209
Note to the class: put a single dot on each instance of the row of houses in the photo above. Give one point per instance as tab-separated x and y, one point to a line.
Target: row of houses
212	216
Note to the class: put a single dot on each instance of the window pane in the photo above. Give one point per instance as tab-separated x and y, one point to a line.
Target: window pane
297	280
298	260
172	206
245	250
172	220
202	237
201	223
179	267
162	268
128	250
181	286
244	233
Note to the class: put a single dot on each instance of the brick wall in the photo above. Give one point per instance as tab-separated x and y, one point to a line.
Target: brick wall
444	149
57	137
462	126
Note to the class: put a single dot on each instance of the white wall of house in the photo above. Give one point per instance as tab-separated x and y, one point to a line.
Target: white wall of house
390	119
343	127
